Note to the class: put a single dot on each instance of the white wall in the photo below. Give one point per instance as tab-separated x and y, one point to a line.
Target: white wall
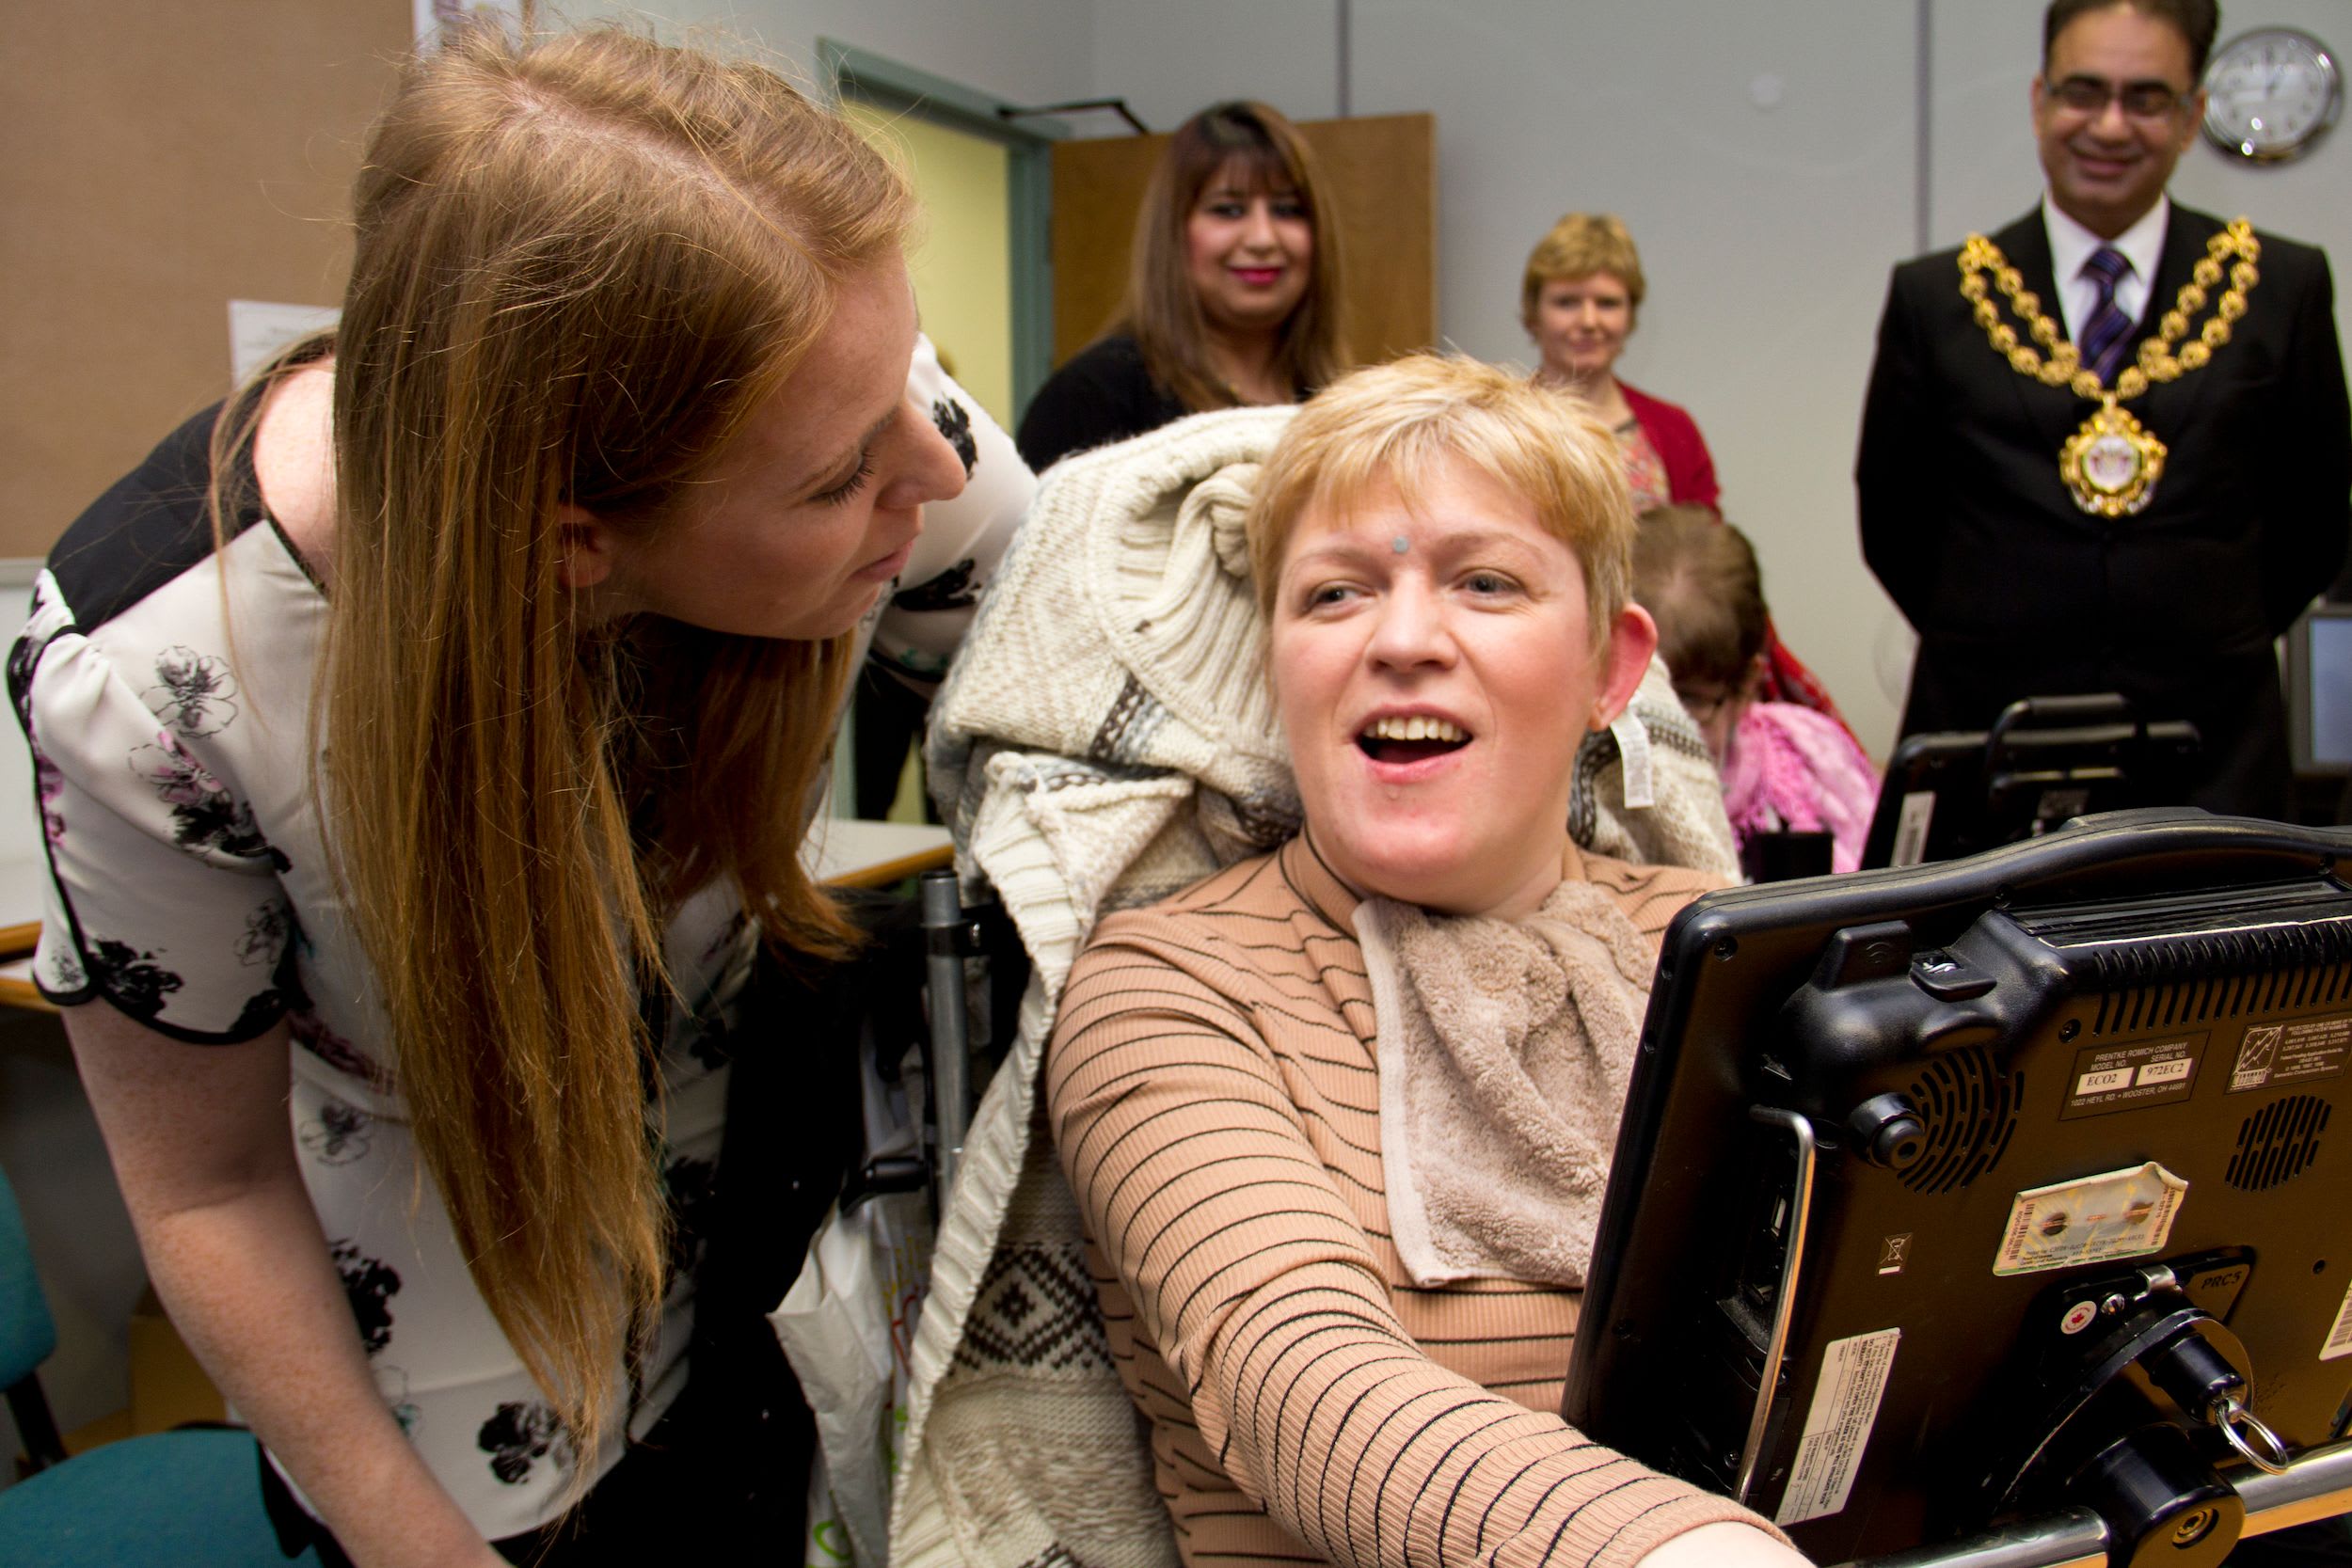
1985	53
1023	51
1766	158
1169	60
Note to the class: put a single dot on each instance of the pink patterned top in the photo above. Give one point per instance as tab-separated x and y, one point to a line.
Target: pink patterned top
1790	767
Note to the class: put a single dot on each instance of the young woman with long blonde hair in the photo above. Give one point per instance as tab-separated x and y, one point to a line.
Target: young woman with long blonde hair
425	742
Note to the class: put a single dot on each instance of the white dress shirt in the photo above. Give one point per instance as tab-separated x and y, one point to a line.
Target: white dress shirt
2071	247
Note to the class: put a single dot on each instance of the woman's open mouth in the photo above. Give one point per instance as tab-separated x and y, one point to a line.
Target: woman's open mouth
1417	737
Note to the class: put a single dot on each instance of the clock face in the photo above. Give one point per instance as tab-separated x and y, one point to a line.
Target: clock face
2270	93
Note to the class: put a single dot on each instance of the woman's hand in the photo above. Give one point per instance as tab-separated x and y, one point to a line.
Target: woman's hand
204	1152
1723	1545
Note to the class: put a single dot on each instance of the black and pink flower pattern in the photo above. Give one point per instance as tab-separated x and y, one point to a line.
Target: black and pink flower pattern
204	815
194	693
519	1435
339	1136
132	978
370	1284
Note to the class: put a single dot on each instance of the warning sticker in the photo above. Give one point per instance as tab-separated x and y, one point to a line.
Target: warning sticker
2340	1337
2122	1214
2132	1077
2276	1054
1837	1427
1911	828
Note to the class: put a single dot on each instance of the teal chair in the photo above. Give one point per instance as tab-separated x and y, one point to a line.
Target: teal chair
190	1498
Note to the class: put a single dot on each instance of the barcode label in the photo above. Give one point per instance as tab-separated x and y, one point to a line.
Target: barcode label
2340	1337
1837	1428
1911	827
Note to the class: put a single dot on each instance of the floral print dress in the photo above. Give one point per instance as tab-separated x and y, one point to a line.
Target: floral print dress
164	686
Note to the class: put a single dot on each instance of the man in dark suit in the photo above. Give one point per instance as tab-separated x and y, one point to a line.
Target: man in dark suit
2162	572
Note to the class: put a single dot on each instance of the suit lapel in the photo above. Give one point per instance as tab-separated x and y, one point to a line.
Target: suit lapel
2184	237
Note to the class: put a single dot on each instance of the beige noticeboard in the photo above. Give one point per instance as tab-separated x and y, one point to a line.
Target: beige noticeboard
156	162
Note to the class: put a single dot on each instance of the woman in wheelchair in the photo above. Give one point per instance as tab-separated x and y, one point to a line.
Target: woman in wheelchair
1337	1118
425	745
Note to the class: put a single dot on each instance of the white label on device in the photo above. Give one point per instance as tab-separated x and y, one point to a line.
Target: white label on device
1837	1428
1911	827
2340	1337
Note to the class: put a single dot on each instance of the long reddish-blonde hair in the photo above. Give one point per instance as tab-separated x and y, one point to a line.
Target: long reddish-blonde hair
581	266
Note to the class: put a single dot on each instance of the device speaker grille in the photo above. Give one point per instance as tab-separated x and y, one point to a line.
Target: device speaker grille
2278	1143
1969	1111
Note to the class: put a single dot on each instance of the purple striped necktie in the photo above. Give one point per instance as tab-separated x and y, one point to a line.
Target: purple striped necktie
2106	337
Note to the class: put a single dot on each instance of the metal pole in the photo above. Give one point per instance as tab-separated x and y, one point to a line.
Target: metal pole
951	1052
2318	1486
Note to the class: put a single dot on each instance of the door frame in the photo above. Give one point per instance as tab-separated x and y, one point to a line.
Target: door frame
859	76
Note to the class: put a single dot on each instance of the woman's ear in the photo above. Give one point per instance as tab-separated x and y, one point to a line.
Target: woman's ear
1624	658
588	547
1753	687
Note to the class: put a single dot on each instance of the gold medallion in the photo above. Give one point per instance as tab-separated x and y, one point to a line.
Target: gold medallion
2112	464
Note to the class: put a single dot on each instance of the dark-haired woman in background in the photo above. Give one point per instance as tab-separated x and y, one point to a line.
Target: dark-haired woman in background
1233	292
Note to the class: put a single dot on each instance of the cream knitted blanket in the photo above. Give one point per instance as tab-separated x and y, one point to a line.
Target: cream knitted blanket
1106	739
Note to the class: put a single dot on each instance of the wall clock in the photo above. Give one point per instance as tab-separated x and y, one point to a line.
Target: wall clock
2270	93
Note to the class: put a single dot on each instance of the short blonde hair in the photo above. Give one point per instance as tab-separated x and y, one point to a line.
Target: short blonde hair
1579	245
1395	425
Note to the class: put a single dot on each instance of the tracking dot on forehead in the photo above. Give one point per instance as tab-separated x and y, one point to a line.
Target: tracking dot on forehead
1400	543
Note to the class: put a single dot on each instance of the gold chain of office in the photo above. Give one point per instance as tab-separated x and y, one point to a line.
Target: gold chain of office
2111	464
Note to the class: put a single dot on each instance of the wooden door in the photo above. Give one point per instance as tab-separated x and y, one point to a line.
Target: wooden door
1381	171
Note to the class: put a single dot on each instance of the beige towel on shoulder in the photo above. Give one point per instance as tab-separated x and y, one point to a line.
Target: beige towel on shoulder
1504	1052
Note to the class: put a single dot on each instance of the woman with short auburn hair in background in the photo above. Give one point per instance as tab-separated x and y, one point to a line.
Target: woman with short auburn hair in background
1234	292
1580	300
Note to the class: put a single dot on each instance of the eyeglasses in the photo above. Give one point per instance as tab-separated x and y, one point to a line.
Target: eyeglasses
2091	95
